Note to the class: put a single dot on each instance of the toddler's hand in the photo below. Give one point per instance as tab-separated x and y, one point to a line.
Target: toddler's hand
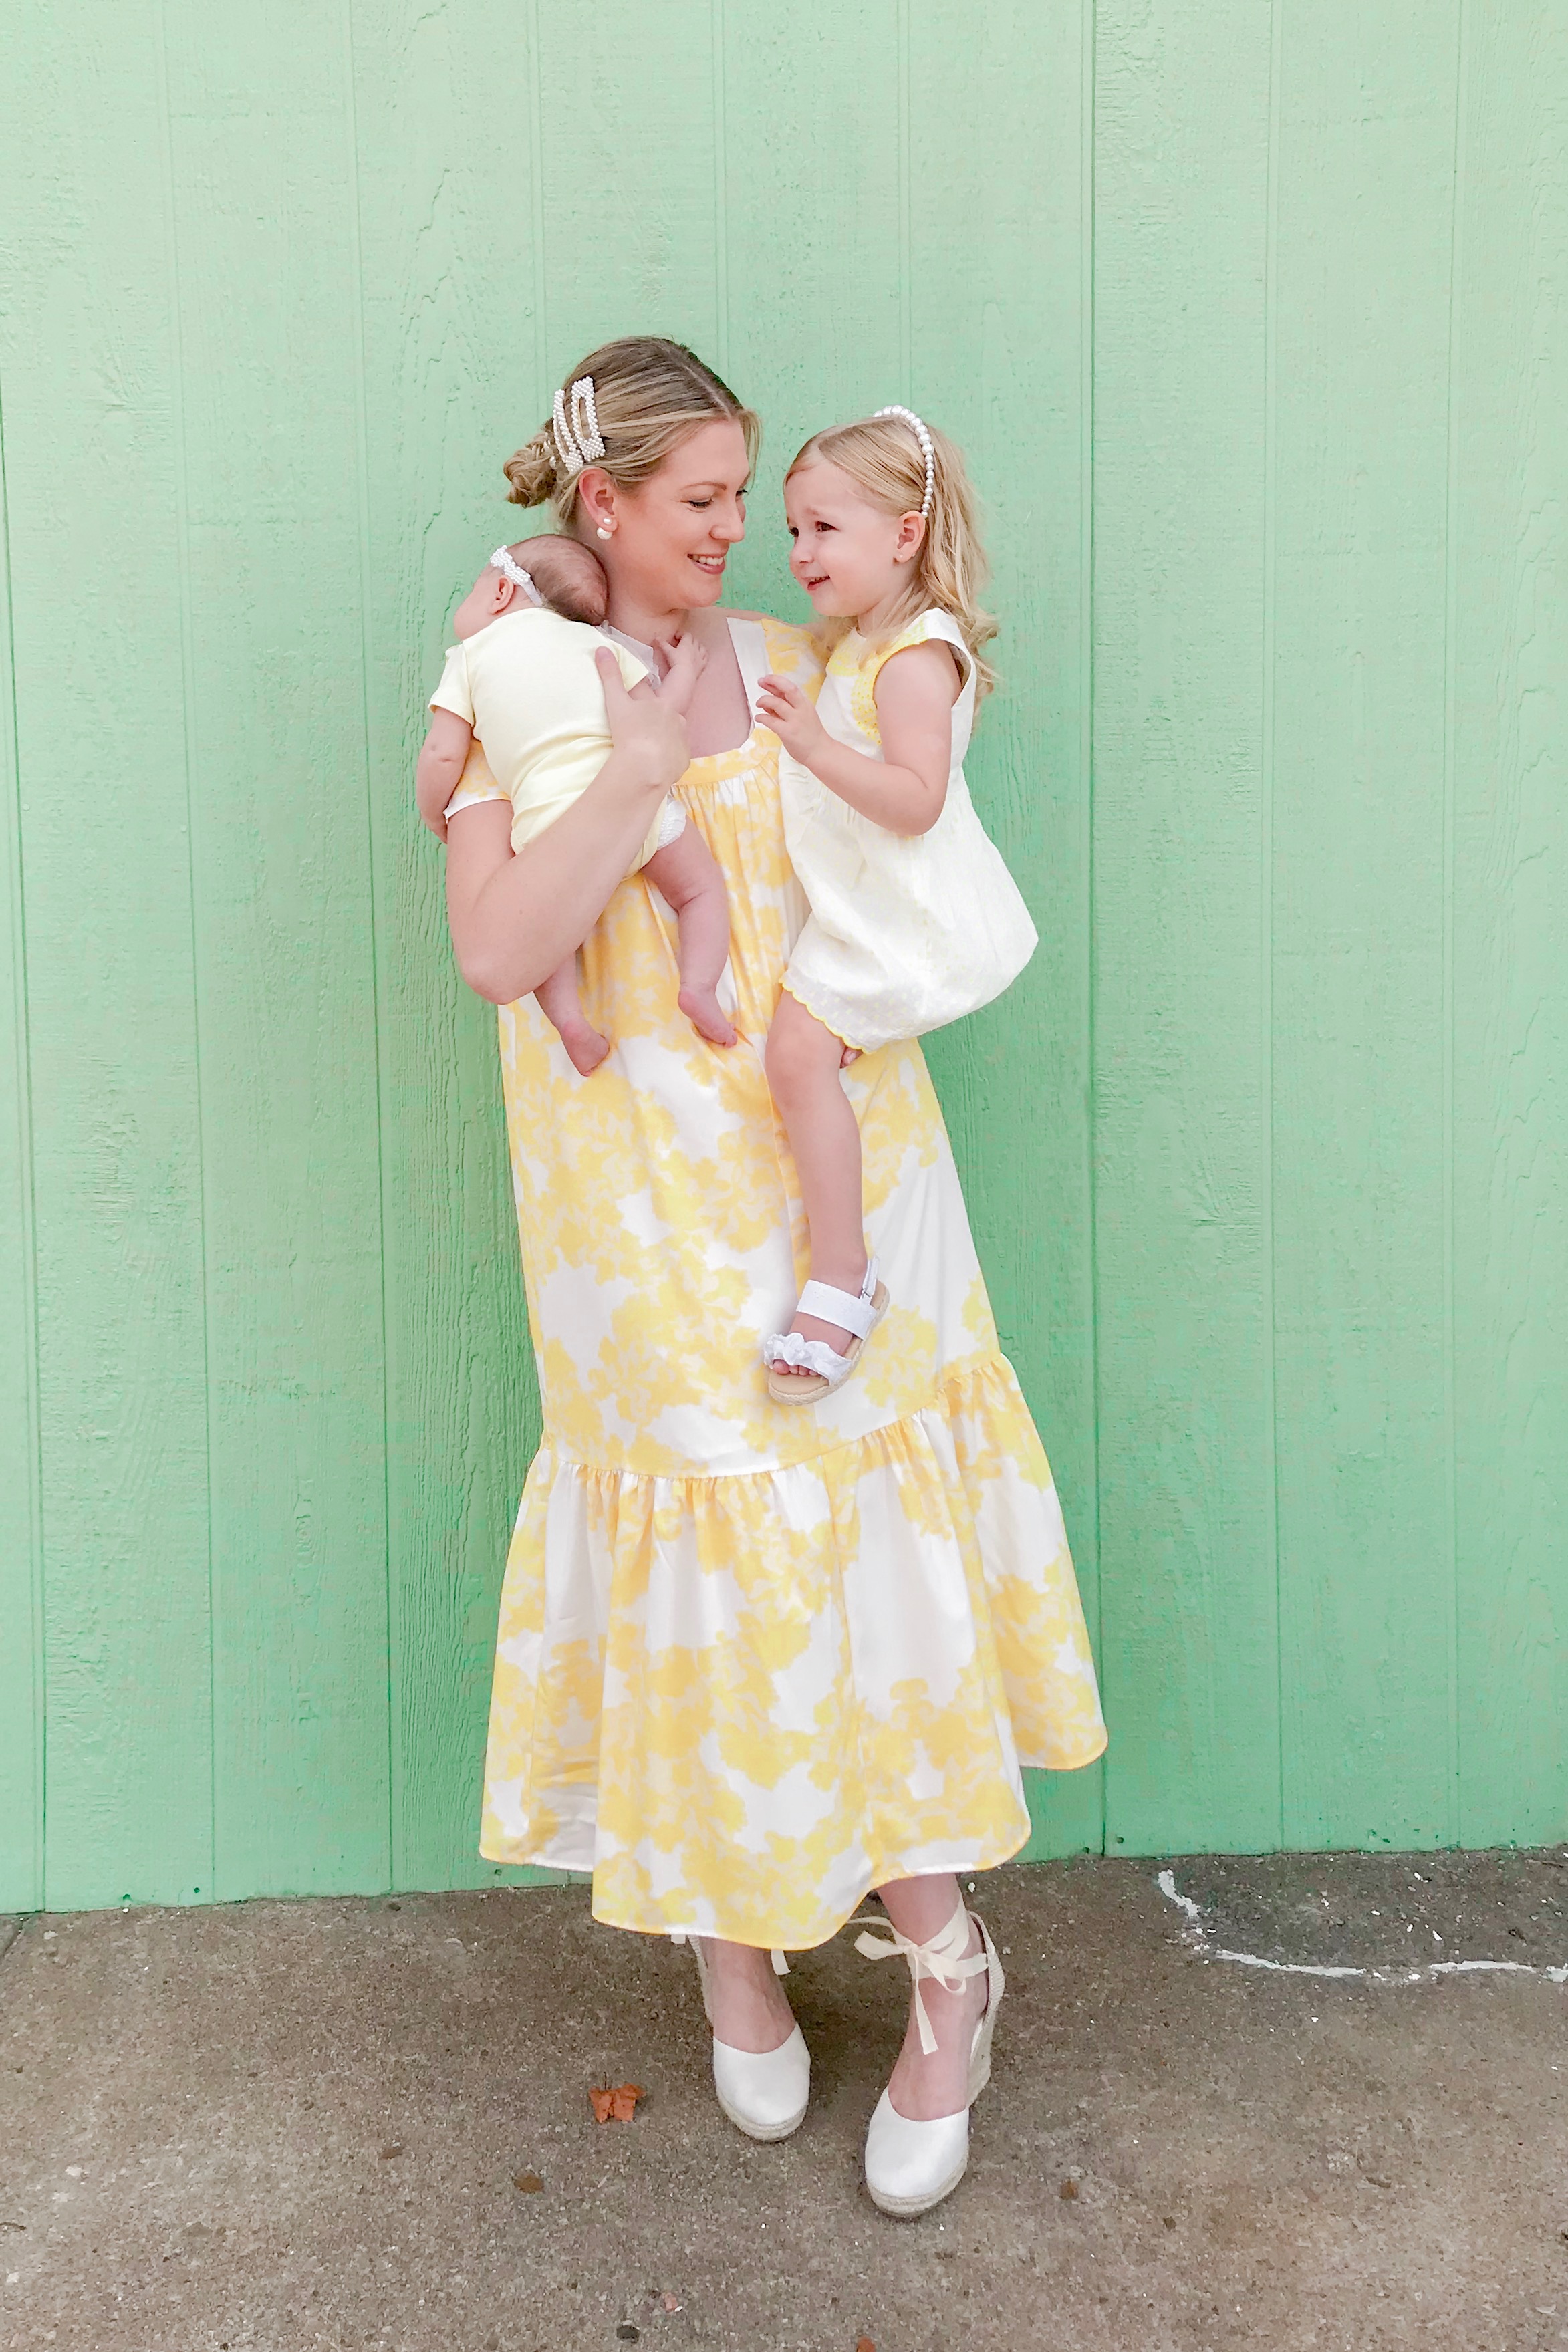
685	662
782	706
440	769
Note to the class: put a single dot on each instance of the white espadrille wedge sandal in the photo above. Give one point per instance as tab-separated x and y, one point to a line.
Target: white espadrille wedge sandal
815	1368
912	2166
764	2093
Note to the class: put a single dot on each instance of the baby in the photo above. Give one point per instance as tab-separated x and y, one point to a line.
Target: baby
522	677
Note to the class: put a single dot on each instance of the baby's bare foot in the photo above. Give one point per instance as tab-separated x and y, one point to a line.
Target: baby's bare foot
585	1049
701	1006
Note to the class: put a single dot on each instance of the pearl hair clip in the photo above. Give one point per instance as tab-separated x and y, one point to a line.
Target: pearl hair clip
578	440
927	452
505	564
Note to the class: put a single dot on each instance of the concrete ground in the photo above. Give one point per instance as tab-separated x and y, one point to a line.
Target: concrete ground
284	2125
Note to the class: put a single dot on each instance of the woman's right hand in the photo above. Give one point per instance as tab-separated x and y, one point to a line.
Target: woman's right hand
648	736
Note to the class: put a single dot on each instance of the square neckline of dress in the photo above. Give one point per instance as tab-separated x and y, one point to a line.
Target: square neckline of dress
751	670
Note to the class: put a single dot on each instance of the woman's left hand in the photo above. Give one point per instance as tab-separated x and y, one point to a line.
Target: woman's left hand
792	717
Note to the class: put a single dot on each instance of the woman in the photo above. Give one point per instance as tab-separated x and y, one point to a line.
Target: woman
752	1661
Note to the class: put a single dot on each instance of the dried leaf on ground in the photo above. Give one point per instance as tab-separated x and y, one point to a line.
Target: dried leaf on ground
392	2148
615	2104
1068	2189
864	2344
529	2182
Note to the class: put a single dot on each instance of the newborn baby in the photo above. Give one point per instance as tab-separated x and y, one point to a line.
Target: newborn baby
565	575
522	678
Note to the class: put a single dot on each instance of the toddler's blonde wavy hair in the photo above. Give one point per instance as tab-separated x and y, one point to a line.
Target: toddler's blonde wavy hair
885	461
649	396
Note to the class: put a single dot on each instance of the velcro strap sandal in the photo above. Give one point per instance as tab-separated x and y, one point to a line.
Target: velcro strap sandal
816	1368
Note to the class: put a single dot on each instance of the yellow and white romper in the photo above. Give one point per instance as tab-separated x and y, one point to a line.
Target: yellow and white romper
754	1660
907	931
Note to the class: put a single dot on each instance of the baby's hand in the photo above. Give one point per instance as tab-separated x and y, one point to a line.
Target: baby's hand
440	769
782	706
686	662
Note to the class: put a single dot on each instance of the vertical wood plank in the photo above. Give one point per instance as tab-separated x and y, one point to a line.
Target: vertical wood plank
93	481
268	296
443	100
21	1529
1509	625
812	242
1188	1604
628	164
1015	1079
1366	170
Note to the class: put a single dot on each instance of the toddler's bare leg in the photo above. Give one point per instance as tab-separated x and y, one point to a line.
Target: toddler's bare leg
688	875
803	1065
558	1000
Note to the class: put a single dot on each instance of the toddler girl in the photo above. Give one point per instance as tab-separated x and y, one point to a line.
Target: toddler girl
522	678
915	920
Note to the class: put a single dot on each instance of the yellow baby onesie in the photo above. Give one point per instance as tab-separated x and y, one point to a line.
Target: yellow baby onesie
528	687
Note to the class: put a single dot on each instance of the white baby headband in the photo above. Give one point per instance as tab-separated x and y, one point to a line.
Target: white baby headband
504	564
578	440
927	452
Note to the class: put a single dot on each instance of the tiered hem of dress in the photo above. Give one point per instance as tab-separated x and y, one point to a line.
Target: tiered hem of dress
741	1701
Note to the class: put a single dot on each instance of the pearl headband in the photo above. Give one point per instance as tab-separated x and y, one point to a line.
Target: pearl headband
503	563
927	452
578	440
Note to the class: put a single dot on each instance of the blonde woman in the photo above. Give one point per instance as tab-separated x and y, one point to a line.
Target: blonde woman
752	1662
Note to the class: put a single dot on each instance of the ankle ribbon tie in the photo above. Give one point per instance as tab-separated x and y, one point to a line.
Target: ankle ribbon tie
943	1959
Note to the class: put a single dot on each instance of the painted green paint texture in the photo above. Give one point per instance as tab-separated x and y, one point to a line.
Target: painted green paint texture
1250	317
1357	592
21	1550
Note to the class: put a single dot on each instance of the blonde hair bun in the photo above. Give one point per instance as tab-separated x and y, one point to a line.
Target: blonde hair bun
531	471
648	395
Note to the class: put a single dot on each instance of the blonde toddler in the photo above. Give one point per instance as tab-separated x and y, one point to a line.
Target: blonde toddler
914	920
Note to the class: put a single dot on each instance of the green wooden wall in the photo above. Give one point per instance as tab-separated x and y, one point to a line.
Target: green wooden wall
1252	318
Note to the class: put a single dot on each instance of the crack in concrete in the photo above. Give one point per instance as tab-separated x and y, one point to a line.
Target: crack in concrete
1198	1935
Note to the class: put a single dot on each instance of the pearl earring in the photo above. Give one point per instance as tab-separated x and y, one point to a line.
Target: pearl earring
606	531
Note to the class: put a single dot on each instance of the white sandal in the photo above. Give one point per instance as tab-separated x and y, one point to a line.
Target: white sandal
912	2166
764	2093
821	1369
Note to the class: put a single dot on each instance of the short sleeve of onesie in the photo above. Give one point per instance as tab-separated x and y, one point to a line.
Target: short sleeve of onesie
452	694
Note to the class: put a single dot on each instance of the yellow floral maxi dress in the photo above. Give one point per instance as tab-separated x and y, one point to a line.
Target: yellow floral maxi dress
754	1659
